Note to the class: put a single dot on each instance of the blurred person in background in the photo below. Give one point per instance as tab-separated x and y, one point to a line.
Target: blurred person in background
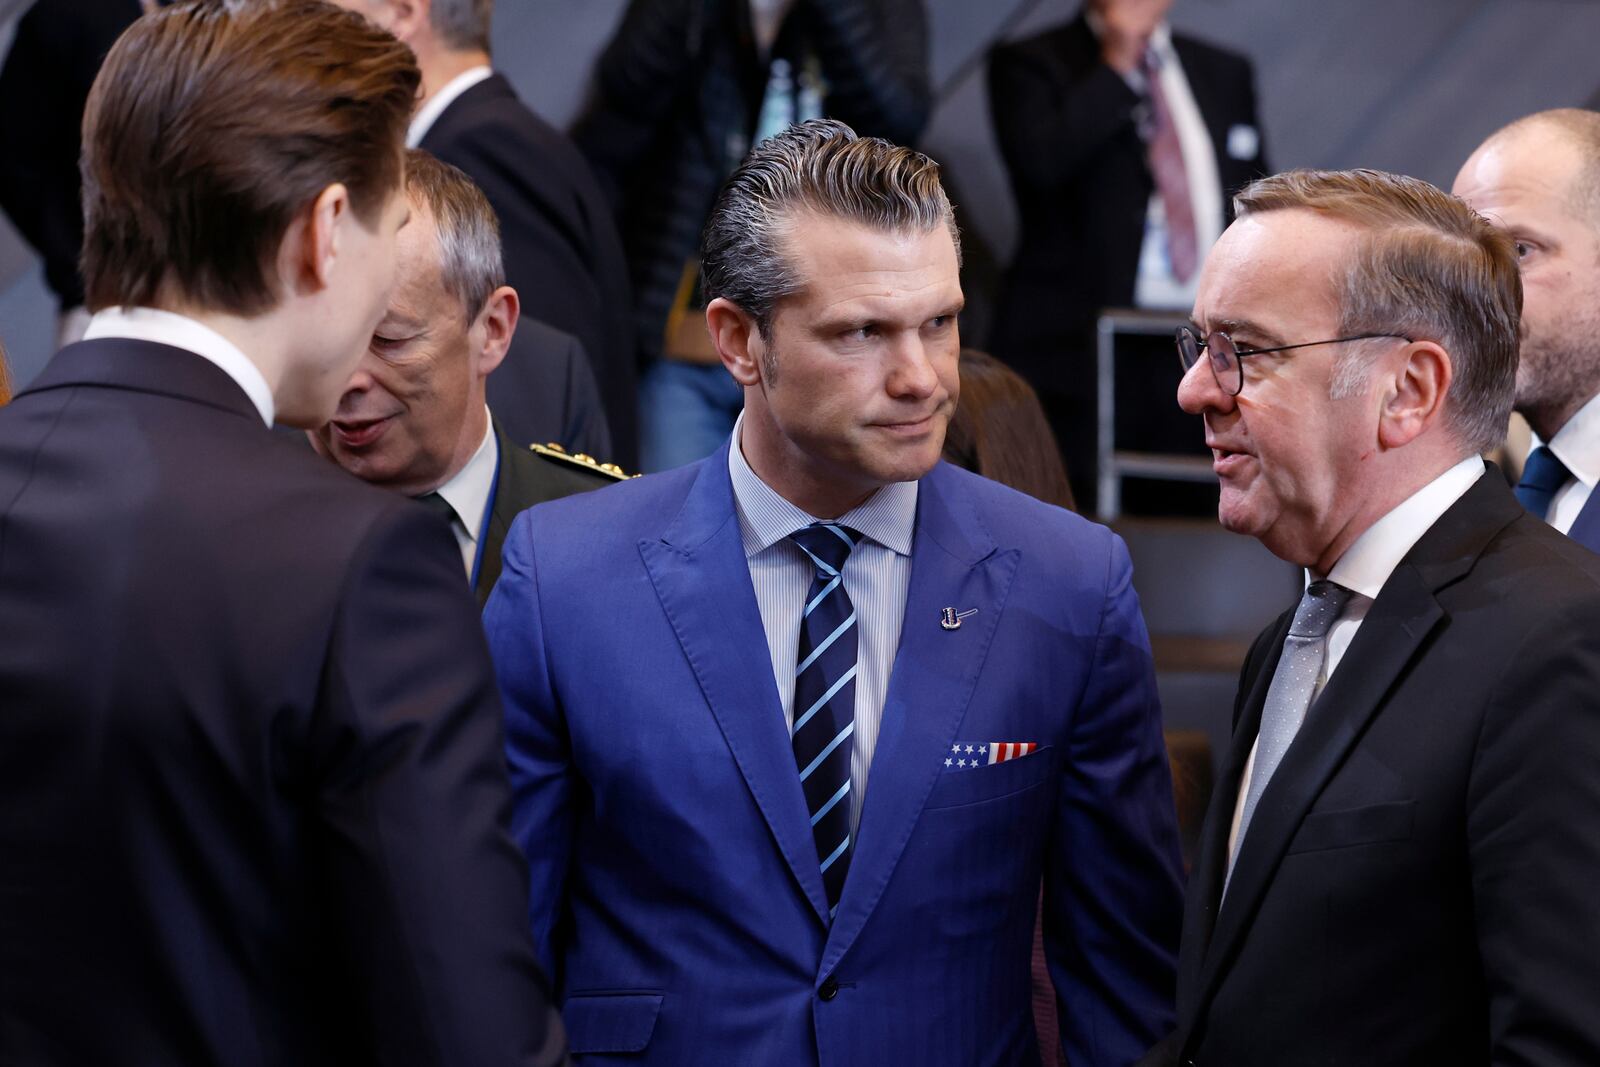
413	417
562	252
252	788
1124	142
1539	179
999	431
685	88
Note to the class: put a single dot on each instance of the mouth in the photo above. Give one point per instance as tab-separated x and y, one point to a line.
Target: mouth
358	433
1225	461
909	427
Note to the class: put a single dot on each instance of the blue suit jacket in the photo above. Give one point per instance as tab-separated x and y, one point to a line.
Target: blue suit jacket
677	898
1586	527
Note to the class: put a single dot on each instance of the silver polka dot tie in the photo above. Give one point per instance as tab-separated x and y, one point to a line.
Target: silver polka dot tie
1290	693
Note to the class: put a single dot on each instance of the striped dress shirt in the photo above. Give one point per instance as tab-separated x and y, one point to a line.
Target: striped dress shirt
876	576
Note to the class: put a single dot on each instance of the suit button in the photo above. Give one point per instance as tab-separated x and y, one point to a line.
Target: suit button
829	990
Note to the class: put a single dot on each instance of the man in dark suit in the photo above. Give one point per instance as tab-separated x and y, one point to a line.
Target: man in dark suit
251	783
822	600
1124	142
1539	178
1399	862
413	416
562	250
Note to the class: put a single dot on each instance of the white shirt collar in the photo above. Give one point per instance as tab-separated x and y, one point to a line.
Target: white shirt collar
180	331
429	112
1577	444
887	517
1367	564
468	492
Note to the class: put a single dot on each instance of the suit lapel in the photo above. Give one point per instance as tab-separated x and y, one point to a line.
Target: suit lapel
702	578
507	502
1395	629
953	563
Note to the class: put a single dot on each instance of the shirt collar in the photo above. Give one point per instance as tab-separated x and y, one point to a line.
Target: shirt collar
429	112
887	517
468	492
180	331
1577	444
1367	564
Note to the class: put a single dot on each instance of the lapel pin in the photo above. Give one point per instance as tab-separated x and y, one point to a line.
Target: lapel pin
950	619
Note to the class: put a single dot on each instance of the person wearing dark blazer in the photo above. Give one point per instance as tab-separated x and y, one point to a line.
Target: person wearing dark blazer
250	756
1398	864
563	253
544	390
413	416
715	885
1538	178
1079	112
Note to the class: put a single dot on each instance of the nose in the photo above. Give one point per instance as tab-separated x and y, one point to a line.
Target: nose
1198	391
913	375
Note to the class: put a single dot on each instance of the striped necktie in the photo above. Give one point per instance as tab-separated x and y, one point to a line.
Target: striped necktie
1165	153
825	699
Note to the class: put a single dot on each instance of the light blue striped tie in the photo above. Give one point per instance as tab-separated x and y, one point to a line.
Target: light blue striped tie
825	699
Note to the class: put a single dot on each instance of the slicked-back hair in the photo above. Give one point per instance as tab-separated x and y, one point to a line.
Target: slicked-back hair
213	124
1427	267
821	167
470	263
462	24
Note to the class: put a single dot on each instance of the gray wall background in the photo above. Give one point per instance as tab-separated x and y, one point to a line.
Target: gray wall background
1402	85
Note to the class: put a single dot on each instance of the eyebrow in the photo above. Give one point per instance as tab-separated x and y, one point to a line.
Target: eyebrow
1266	337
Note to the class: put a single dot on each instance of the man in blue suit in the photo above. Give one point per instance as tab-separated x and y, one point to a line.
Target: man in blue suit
1539	178
790	770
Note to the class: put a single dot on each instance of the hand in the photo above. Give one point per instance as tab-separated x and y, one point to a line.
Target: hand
1126	29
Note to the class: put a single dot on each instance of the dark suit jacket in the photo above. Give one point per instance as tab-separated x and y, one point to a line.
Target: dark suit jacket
527	478
56	53
544	390
251	784
563	254
1067	126
1418	883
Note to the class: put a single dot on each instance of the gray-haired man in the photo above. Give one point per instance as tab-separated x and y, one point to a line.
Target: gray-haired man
413	416
819	602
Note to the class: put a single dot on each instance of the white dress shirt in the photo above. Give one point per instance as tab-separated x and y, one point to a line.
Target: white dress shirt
180	331
1156	285
429	112
1577	444
1363	569
877	575
468	494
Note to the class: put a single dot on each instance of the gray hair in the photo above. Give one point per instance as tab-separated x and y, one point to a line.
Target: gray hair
470	263
1429	268
821	166
462	24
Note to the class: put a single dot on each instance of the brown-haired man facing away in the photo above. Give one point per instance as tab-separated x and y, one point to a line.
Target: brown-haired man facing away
1399	863
413	417
250	781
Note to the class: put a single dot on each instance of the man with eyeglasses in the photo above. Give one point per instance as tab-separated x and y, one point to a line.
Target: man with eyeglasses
1400	861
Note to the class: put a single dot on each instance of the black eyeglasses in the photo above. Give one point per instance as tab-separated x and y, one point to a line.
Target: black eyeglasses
1226	357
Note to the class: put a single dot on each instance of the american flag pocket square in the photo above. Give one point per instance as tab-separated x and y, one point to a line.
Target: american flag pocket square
964	755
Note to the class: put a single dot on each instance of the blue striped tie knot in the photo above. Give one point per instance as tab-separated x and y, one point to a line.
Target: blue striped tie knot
825	698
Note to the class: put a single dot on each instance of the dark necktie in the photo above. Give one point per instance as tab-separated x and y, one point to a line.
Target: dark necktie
1165	152
1289	695
438	505
825	699
1542	476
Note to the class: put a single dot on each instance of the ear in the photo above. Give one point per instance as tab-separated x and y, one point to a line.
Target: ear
1414	399
737	340
310	248
407	17
498	321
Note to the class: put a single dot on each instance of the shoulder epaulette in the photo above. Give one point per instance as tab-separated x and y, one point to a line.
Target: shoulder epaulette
553	451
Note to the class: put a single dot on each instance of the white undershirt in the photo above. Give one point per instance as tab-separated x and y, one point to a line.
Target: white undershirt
180	331
1364	569
468	493
1577	444
430	111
